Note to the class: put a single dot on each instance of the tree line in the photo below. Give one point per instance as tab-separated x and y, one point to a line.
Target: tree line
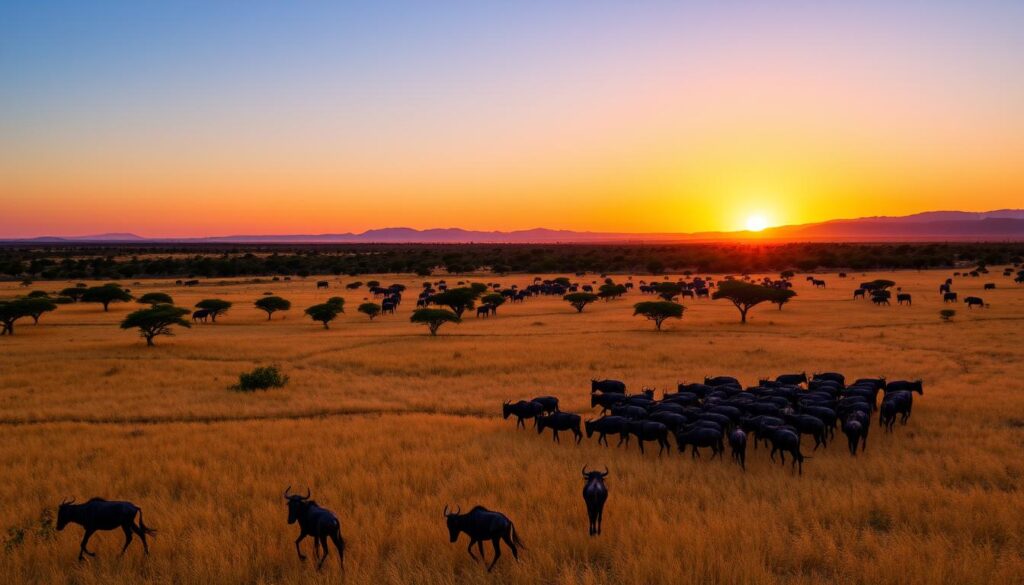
106	261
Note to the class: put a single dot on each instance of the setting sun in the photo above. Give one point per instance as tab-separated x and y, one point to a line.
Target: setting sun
756	223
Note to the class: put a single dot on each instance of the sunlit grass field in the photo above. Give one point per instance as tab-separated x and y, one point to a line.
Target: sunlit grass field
387	425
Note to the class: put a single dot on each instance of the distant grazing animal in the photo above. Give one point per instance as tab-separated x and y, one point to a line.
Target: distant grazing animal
859	293
99	514
880	299
903	298
387	307
608	386
794	379
990	286
949	297
481	524
609	425
320	523
322	284
818	283
486	310
738	444
944	288
522	411
595	494
721	381
560	421
830	376
200	315
852	429
700	437
785	440
974	302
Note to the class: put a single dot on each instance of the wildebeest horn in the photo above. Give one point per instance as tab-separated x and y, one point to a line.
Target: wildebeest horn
584	471
605	474
64	502
286	490
445	513
308	493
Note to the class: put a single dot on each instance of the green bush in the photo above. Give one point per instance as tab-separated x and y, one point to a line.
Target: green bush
263	378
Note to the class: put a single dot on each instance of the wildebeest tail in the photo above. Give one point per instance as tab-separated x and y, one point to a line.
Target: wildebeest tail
515	536
143	529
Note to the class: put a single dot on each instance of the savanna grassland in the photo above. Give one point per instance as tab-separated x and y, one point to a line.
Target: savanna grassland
387	425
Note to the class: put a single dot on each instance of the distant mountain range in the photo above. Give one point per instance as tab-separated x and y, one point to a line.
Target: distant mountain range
999	225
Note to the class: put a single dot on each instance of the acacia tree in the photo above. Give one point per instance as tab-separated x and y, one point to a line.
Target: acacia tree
371	310
216	307
106	294
337	302
580	300
611	291
74	293
156	320
659	311
434	318
668	290
156	298
745	295
324	313
35	307
11	311
272	305
456	299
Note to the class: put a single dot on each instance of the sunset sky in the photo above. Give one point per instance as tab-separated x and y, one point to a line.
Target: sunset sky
213	118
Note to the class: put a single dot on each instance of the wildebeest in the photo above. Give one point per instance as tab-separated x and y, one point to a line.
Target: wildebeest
903	298
522	410
320	523
606	400
387	307
793	379
200	315
550	403
990	286
949	297
486	310
786	440
853	429
595	494
700	437
859	293
818	283
645	430
879	298
322	284
974	301
99	514
481	524
609	425
738	444
912	386
560	421
610	386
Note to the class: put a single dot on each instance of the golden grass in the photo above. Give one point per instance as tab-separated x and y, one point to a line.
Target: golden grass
387	425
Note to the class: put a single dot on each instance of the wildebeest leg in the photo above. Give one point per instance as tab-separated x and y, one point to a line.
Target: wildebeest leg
470	550
142	535
85	543
323	545
579	435
497	552
340	545
302	535
772	455
600	519
695	454
507	537
556	436
128	529
480	547
519	422
641	443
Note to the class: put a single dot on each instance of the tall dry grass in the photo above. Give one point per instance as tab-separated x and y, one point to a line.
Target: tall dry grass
387	425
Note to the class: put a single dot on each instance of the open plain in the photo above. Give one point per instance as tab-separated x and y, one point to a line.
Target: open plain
387	425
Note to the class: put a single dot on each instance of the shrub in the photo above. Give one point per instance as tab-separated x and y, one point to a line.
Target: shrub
947	315
262	378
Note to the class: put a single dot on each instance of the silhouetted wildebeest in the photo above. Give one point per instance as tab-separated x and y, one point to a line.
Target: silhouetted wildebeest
809	424
606	400
609	386
700	437
949	297
859	293
320	523
793	379
99	514
721	381
912	386
880	299
853	429
560	421
903	298
550	403
738	444
322	284
629	411
196	282
609	425
486	310
481	524
990	286
522	410
645	430
973	302
787	440
818	283
387	307
595	494
200	315
830	376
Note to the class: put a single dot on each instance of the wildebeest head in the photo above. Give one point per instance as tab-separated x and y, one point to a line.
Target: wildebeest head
452	518
64	513
506	409
296	504
589	476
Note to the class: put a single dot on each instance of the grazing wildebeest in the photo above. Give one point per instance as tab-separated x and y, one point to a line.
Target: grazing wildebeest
859	293
794	379
387	307
320	523
322	284
560	421
949	297
595	493
522	410
738	443
879	298
897	385
200	315
903	298
818	283
481	524
721	381
645	430
610	386
99	514
974	301
700	437
550	403
990	286
609	425
483	311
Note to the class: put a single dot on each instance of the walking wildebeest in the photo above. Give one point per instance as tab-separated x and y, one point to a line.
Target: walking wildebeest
595	493
949	297
611	386
903	298
322	284
320	523
784	440
99	514
974	301
560	421
818	283
481	524
200	315
738	443
990	286
794	379
550	403
522	410
859	293
609	425
645	430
